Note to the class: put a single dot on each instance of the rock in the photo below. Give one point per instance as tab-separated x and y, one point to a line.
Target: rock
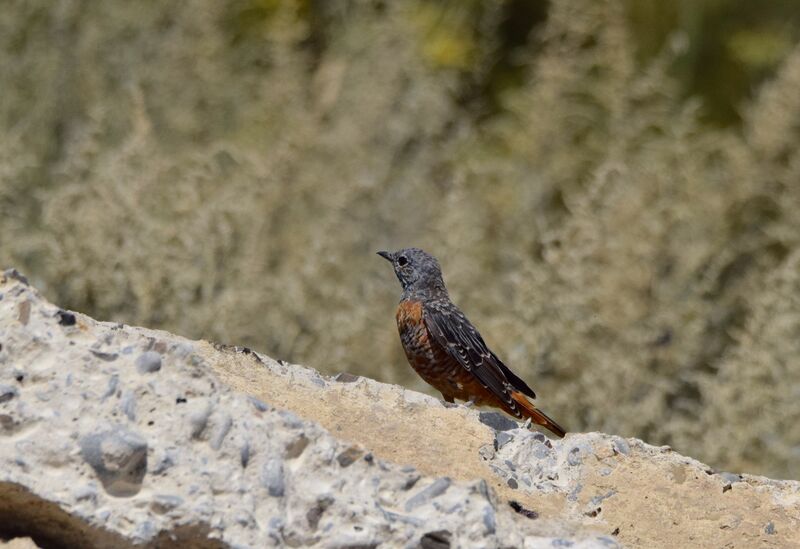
128	405
436	489
148	362
347	457
102	452
497	421
108	357
501	438
345	377
439	539
272	477
296	446
65	318
119	457
7	392
13	274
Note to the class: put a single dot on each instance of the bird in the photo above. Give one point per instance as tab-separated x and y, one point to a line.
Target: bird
447	351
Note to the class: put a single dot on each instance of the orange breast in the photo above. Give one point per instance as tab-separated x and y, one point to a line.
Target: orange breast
432	362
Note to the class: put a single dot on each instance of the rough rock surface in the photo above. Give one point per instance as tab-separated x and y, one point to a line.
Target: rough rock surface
113	436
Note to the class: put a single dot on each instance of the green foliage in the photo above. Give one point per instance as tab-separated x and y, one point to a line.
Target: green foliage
227	171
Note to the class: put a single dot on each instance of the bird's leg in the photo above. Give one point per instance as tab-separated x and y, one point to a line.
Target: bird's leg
469	403
449	401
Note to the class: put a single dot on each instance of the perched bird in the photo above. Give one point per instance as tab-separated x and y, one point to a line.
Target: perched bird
446	350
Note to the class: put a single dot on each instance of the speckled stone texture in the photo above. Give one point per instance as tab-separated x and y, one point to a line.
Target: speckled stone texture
112	436
115	436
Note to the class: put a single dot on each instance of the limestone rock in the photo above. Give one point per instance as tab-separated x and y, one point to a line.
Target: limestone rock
115	436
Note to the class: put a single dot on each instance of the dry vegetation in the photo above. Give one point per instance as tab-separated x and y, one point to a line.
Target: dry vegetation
227	171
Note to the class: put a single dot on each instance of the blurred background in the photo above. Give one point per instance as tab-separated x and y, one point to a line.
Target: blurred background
611	187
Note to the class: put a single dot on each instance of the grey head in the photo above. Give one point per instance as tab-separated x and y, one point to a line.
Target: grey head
418	272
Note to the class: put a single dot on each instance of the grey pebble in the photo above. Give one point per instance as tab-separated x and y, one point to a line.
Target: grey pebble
221	431
7	392
621	446
258	404
183	349
489	519
434	490
497	421
113	382
272	477
769	528
501	438
163	503
128	405
148	362
244	454
731	477
440	539
198	419
119	457
102	355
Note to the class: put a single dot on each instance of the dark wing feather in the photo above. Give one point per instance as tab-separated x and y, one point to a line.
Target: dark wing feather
451	329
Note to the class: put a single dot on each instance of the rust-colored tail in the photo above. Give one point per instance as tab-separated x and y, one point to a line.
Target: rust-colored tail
538	417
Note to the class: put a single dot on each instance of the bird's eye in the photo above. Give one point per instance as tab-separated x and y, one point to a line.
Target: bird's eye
402	261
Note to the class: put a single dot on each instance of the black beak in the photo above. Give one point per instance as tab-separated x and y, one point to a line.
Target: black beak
389	256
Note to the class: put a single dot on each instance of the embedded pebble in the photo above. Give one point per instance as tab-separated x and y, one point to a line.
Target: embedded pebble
489	519
118	457
436	489
347	457
162	503
497	421
148	362
223	425
7	392
501	438
272	477
198	418
440	539
128	405
244	454
621	446
258	404
102	355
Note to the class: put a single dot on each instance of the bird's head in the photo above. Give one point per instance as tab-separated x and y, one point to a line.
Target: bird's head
417	270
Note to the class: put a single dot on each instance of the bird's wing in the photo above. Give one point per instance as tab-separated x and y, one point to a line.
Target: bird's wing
451	329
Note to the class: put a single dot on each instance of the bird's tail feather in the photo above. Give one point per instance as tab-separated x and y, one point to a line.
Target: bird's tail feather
536	415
